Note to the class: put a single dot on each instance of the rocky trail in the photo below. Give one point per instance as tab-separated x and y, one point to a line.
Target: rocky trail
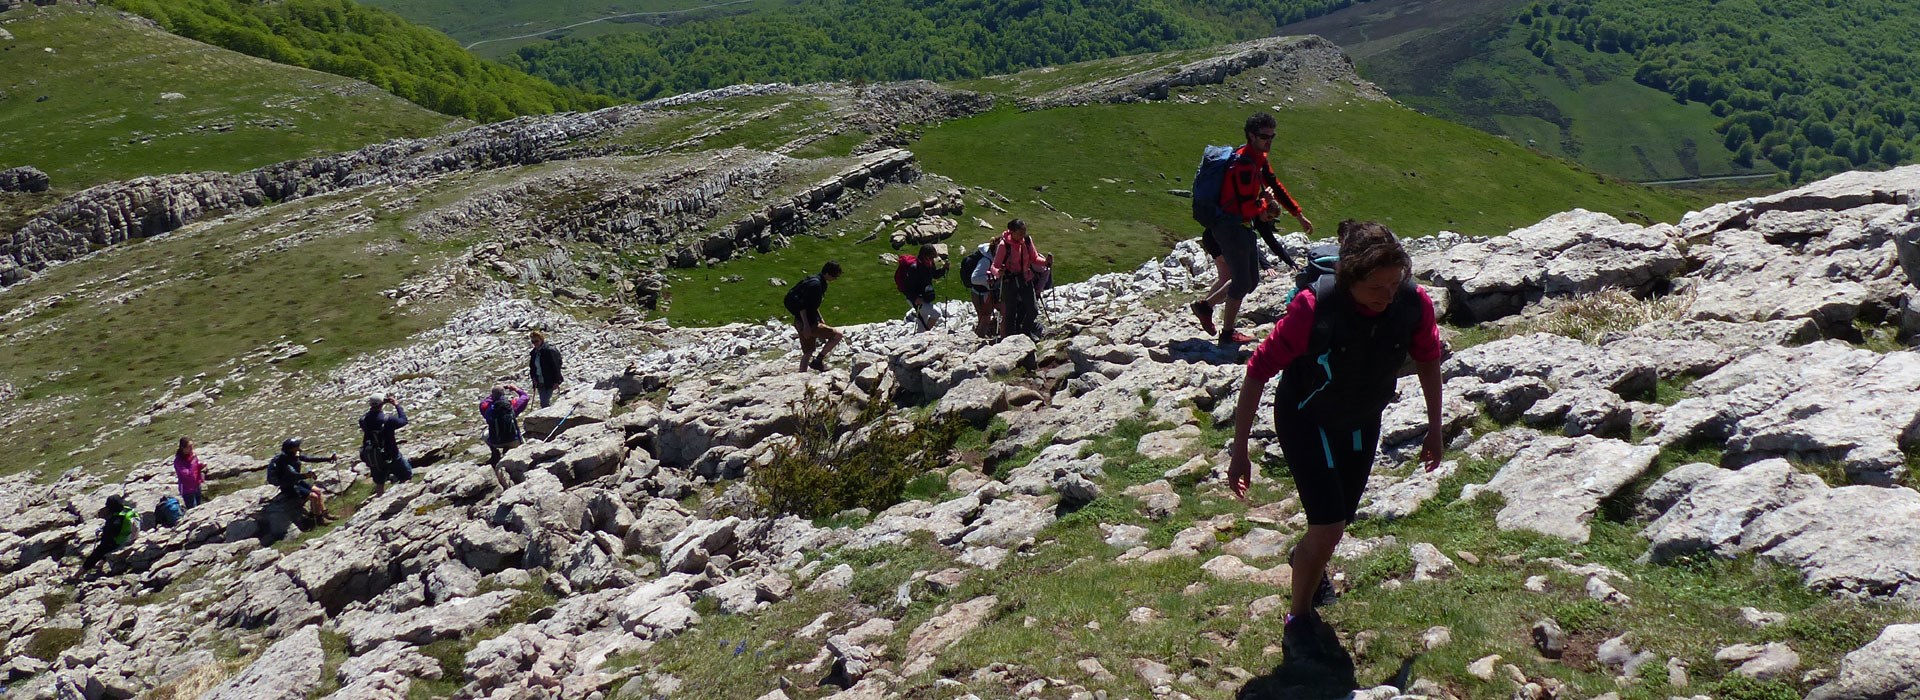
1625	405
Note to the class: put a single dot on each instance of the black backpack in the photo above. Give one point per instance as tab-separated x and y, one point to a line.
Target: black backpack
1348	372
274	477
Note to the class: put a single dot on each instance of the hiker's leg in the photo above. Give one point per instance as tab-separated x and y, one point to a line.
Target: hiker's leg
833	339
805	333
1310	559
1223	276
1229	312
546	395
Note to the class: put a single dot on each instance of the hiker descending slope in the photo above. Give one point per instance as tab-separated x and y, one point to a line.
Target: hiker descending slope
1235	190
502	414
543	365
379	447
122	522
914	278
189	471
286	473
803	302
1017	275
1341	345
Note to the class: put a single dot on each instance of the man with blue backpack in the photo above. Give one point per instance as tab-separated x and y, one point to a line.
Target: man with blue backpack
1234	191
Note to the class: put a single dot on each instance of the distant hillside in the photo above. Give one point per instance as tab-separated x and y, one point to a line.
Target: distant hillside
496	28
898	40
90	96
379	47
1655	90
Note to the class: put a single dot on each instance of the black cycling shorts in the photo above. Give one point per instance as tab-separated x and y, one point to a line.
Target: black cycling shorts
1329	467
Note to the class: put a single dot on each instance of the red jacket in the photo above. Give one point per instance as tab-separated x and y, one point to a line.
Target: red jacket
1240	194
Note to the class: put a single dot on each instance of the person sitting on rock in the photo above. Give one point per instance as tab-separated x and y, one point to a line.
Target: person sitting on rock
379	447
803	301
285	472
190	472
1018	272
543	364
914	278
1341	345
122	522
502	415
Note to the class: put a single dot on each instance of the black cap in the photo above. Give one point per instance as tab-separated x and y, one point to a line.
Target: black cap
290	445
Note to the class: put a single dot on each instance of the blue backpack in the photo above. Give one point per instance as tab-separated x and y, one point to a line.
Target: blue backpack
169	512
1321	262
1207	181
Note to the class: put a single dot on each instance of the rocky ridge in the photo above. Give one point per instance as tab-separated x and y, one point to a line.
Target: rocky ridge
1304	68
593	522
117	212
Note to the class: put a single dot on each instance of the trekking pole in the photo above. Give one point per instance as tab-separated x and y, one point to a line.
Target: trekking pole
561	424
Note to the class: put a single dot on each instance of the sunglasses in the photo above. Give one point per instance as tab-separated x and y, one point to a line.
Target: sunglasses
1265	137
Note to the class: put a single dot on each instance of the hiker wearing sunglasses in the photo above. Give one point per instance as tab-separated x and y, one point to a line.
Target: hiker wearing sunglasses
1250	196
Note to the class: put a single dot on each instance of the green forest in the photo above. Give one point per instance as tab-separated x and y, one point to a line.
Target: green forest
899	40
337	36
1815	87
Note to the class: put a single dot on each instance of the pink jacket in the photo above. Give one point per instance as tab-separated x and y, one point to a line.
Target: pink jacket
1019	257
188	467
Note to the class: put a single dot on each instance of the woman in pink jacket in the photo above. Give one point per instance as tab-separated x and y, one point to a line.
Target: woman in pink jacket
187	467
1015	274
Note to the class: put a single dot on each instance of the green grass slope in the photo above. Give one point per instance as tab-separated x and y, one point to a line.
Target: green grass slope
1092	183
369	44
92	345
104	116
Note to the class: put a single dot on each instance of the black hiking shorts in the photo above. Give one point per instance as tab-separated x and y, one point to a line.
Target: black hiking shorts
1238	246
1209	244
1329	466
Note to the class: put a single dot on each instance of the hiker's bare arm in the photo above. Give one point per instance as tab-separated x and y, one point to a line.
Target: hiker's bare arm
1430	385
1239	465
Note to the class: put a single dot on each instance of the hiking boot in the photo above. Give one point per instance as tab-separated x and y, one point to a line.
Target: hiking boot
1235	338
1204	311
818	365
1298	633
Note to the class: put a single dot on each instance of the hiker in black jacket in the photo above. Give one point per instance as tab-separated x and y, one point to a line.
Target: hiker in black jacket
543	364
379	448
803	301
122	522
285	472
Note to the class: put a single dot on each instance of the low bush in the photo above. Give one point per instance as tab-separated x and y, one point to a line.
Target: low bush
833	464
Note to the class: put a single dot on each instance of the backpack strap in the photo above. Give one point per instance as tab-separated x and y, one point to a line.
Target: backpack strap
1326	311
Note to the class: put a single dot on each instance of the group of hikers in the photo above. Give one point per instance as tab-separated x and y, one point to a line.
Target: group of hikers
1354	319
499	413
1004	278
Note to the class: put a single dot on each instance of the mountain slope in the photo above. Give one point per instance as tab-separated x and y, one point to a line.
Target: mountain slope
1655	90
369	44
123	99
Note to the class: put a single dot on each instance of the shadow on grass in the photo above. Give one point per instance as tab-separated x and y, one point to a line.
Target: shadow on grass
1316	668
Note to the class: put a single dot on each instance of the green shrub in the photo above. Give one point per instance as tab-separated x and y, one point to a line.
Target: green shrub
832	465
47	643
1738	687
